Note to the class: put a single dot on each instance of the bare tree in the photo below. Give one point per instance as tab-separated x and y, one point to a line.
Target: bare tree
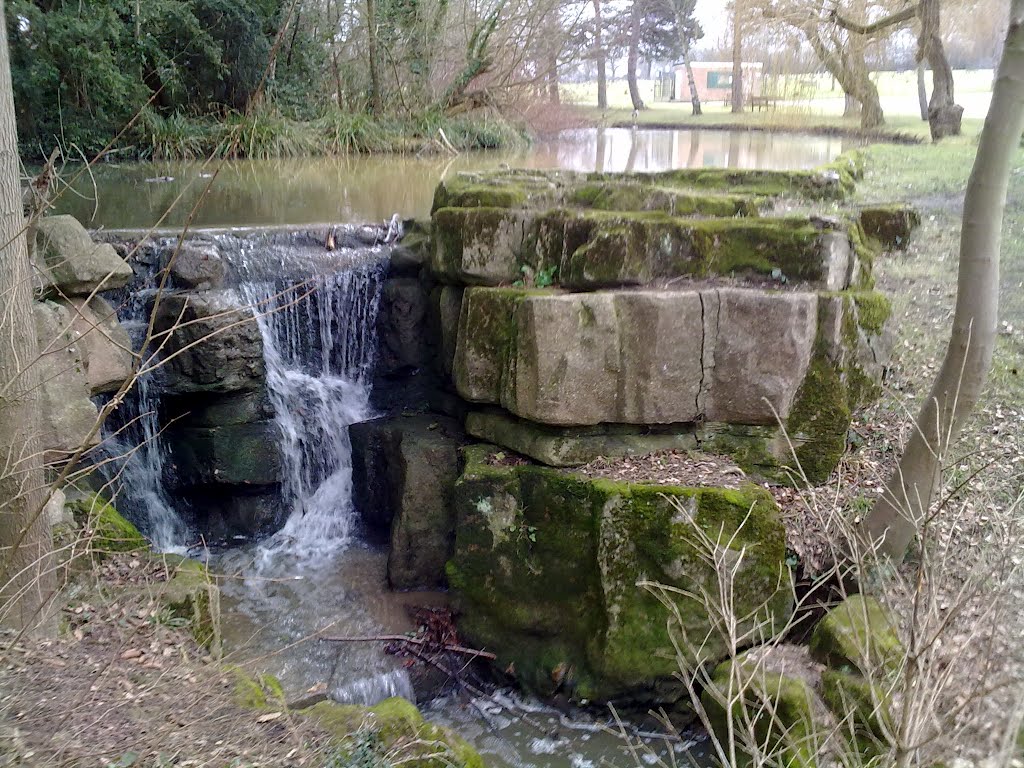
635	17
601	58
737	55
897	515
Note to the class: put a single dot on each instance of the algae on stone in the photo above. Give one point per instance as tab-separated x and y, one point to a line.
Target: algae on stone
891	224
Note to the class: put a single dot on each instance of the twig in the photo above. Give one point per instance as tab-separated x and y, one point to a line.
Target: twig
412	640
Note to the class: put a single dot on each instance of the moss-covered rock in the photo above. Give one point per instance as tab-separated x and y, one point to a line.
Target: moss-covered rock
891	225
862	709
107	530
192	596
857	635
776	709
394	728
546	567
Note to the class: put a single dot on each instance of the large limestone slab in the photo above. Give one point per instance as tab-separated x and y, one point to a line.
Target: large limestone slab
214	345
107	345
567	364
76	265
67	415
762	348
485	333
479	246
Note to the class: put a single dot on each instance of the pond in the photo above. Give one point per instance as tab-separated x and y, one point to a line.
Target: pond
372	188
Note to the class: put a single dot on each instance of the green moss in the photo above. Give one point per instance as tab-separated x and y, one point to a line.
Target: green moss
256	692
857	635
779	710
873	311
193	596
109	531
759	246
891	225
395	728
820	419
861	709
866	249
546	566
612	196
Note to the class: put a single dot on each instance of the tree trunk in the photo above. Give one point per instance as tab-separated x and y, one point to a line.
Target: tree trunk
899	511
737	56
922	91
634	55
851	107
553	95
376	95
602	75
27	579
690	81
852	76
944	115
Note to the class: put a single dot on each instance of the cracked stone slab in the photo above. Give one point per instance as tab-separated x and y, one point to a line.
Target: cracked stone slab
762	351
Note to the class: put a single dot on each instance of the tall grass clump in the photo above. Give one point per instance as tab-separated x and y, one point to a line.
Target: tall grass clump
174	137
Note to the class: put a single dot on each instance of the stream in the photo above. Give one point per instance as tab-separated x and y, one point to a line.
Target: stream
318	576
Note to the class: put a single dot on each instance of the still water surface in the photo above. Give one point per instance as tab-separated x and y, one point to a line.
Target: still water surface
372	188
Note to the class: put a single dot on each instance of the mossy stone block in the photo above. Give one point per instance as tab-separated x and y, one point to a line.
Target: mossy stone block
857	635
892	225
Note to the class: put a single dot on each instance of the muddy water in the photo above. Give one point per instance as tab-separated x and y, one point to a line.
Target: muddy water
362	189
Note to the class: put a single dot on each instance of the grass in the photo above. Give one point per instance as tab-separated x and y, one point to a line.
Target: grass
265	133
815	104
922	284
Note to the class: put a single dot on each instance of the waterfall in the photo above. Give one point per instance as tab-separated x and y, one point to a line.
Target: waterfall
319	342
131	454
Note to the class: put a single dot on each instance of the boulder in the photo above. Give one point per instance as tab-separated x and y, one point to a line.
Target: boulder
891	225
105	529
76	265
67	414
108	348
197	265
478	246
412	251
857	635
215	343
231	454
219	410
572	447
403	472
546	565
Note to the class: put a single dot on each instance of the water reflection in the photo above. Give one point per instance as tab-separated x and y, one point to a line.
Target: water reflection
317	190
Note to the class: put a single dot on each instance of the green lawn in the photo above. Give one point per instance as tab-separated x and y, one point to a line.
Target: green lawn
815	102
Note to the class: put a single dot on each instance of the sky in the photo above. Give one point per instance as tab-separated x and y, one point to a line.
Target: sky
713	17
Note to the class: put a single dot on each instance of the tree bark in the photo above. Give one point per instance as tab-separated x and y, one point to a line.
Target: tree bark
553	95
634	55
922	91
852	76
687	65
376	94
602	75
906	502
944	114
27	579
737	56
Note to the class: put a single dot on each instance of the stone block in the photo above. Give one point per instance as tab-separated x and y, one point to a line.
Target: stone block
403	336
67	414
107	345
762	348
77	266
197	265
403	472
572	447
546	565
891	225
215	344
236	454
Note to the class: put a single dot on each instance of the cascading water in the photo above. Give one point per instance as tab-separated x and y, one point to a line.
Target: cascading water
132	453
318	344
